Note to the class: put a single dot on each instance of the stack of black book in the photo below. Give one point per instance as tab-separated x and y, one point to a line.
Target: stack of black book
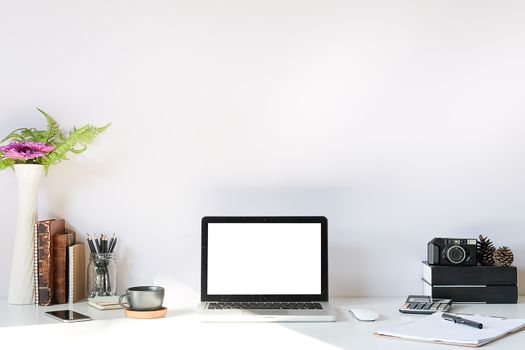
479	284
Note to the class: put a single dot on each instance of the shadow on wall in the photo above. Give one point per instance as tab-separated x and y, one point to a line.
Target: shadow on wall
66	178
519	248
349	276
328	201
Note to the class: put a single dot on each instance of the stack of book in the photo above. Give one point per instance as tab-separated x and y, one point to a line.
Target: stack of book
59	264
479	284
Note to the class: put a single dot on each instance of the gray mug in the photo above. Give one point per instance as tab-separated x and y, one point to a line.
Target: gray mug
143	298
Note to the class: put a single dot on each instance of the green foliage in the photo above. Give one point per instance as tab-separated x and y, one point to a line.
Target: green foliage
6	163
51	136
53	129
76	142
24	134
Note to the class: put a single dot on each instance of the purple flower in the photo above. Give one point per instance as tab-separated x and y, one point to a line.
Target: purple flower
25	150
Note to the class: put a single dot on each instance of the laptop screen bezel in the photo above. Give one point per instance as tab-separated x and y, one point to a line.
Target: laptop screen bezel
264	297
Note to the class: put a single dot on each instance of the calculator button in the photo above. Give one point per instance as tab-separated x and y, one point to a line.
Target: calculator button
412	306
404	306
442	307
426	306
434	306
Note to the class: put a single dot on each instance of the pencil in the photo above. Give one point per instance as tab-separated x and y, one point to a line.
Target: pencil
90	243
97	243
112	248
104	244
111	243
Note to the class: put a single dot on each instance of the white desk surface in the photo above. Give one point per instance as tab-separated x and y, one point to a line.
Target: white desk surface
26	327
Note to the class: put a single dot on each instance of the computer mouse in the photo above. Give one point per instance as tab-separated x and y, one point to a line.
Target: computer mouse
364	314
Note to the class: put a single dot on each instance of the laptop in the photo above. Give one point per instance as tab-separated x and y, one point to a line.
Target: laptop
265	269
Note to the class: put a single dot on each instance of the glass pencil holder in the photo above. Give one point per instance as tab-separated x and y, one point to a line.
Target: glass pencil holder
102	275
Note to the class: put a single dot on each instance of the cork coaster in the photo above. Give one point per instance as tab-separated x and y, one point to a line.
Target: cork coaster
146	314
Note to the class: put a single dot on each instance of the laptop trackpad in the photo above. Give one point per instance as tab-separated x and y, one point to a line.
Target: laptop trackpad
266	312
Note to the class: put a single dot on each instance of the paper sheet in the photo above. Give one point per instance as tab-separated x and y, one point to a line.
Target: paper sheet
435	328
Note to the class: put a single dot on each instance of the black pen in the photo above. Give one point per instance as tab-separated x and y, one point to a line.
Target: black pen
461	320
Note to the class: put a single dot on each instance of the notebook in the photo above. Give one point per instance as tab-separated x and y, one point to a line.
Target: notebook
435	329
77	276
35	264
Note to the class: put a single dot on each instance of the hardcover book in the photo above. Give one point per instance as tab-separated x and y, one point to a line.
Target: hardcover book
61	243
469	275
473	294
46	231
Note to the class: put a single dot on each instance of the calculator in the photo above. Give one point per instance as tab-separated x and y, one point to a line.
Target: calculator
424	305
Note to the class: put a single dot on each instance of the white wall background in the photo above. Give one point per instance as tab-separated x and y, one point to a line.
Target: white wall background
398	120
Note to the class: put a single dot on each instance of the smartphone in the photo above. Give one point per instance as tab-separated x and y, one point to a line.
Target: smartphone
68	316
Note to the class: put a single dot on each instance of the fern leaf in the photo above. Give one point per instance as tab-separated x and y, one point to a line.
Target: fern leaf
25	134
40	136
6	163
77	138
80	150
34	135
28	133
15	135
103	128
53	129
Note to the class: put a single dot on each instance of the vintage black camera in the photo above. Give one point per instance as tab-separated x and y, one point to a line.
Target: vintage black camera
452	251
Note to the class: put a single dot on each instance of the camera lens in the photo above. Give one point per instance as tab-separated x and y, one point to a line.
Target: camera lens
456	254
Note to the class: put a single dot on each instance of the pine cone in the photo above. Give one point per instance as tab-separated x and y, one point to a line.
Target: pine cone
503	256
485	251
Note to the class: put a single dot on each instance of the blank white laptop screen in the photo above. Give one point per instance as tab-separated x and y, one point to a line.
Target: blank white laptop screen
264	258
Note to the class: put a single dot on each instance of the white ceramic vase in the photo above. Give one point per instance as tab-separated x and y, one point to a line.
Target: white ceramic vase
21	285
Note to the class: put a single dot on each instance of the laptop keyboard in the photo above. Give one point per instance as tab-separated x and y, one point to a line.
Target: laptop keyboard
265	306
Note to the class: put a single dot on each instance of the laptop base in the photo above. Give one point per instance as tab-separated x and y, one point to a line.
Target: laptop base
326	314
